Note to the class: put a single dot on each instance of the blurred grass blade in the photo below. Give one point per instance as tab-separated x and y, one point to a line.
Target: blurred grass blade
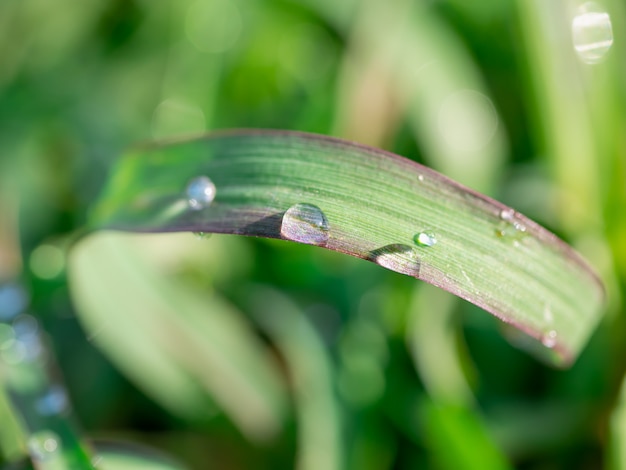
458	439
432	340
124	456
33	396
189	342
371	204
617	450
320	436
405	50
12	437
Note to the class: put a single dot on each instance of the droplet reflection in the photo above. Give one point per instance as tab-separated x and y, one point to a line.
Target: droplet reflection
509	228
398	257
425	239
592	33
305	223
549	339
200	192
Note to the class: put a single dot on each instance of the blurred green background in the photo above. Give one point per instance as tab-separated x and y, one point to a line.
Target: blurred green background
234	353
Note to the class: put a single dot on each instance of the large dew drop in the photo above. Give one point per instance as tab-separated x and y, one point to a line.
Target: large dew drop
398	257
592	33
200	192
305	223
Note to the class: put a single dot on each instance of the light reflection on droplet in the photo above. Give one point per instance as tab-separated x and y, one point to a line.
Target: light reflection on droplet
425	239
213	26
549	339
592	33
202	235
507	214
200	192
510	229
305	223
398	257
467	121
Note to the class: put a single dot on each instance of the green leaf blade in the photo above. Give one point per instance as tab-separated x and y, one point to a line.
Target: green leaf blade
485	252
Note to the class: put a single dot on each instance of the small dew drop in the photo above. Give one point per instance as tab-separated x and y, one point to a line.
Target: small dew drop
425	239
200	192
202	235
44	445
549	339
305	223
507	214
420	177
510	229
398	257
592	33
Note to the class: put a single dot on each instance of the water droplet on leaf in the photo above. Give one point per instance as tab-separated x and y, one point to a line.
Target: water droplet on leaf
202	235
398	257
549	339
305	223
592	33
200	192
425	239
509	228
507	214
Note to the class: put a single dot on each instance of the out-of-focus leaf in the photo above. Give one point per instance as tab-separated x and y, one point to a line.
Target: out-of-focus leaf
432	339
123	456
458	439
432	78
173	340
616	451
320	442
367	203
526	429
